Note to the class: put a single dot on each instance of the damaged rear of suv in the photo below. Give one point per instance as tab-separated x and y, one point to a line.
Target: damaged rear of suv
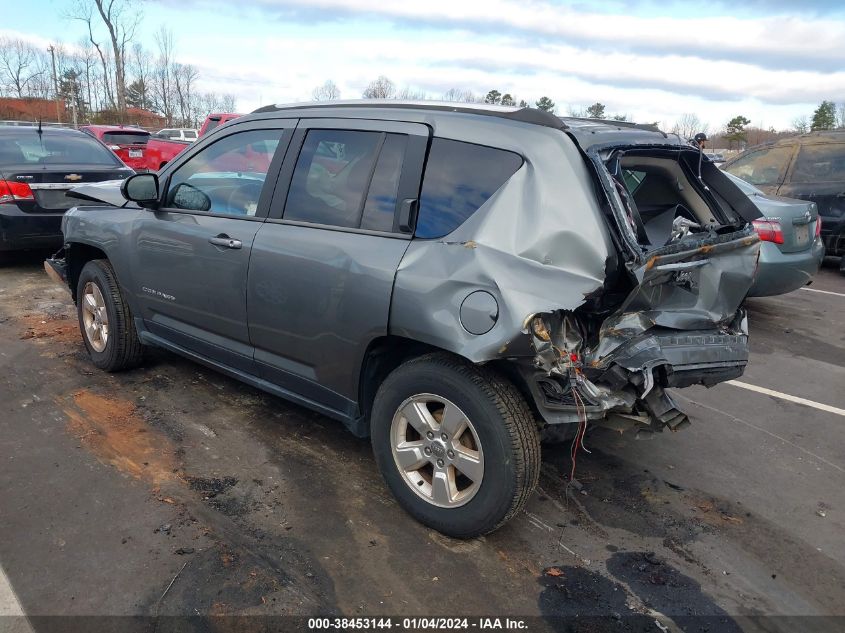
669	311
455	282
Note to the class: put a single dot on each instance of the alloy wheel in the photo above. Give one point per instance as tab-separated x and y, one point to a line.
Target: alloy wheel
95	318
437	450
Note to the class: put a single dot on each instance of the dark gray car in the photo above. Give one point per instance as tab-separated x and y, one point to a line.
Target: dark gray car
452	281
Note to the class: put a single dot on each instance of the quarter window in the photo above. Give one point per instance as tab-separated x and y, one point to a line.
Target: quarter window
347	178
226	177
762	167
820	163
459	178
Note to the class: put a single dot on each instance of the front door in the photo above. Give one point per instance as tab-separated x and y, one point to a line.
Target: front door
192	254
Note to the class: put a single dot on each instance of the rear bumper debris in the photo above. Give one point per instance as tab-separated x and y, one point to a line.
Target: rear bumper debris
626	388
56	269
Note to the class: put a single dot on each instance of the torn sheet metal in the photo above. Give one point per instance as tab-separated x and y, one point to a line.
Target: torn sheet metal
697	289
542	248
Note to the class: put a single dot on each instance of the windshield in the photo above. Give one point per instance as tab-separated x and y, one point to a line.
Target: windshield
27	148
125	138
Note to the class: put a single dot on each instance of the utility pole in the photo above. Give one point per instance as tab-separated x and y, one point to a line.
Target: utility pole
73	101
55	82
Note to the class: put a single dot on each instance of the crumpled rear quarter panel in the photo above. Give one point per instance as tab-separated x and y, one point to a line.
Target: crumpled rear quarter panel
538	244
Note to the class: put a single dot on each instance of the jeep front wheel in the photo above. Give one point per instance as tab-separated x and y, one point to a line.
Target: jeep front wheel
105	320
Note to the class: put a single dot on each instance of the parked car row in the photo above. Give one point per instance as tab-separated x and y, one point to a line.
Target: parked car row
143	151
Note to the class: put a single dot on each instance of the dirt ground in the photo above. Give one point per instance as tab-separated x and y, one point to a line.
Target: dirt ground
171	489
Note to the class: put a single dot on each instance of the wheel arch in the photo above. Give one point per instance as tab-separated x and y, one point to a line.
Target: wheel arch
386	353
382	356
77	254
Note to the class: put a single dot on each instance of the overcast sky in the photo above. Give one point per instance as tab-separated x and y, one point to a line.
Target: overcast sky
770	61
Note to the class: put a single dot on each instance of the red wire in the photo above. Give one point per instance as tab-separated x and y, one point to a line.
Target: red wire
579	435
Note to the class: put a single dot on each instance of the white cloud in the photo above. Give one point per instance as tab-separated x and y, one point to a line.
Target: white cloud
648	87
770	69
779	37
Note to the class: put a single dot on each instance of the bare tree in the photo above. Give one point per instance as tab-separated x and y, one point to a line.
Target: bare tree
840	116
139	90
411	94
163	88
84	12
801	124
18	66
327	92
381	88
121	19
461	95
688	126
185	77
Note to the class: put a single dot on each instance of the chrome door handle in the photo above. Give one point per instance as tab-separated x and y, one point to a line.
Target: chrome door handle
225	241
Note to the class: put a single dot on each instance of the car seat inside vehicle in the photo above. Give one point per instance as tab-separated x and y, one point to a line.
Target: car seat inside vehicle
660	192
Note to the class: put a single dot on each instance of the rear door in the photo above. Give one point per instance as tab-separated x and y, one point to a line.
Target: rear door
191	255
818	175
323	265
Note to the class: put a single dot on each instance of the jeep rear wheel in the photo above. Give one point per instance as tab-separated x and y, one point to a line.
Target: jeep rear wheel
105	320
456	444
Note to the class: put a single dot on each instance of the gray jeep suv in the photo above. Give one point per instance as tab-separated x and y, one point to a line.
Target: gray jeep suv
454	282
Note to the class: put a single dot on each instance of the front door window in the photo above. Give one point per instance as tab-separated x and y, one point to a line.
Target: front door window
227	177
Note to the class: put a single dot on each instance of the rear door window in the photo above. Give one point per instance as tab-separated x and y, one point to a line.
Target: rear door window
820	163
125	138
763	167
347	178
459	178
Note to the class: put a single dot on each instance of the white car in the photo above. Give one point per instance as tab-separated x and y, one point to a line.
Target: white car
178	134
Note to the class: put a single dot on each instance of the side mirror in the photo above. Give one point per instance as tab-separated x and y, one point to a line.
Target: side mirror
141	188
186	196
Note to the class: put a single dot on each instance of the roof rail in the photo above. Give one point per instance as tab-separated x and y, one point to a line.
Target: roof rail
525	115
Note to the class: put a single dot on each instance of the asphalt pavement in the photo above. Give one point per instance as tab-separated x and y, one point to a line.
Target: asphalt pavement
173	490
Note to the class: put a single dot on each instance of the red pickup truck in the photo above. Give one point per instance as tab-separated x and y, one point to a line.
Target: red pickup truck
161	151
129	143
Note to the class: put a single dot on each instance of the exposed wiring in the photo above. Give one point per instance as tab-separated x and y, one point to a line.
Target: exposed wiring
578	442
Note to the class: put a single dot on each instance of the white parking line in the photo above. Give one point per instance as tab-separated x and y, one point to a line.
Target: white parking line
10	608
785	396
824	292
730	416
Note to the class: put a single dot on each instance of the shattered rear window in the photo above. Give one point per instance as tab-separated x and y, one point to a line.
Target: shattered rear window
459	178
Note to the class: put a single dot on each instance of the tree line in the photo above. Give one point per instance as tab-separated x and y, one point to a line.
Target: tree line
109	70
384	88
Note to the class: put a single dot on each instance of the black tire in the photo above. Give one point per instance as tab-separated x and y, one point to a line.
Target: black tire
123	349
505	426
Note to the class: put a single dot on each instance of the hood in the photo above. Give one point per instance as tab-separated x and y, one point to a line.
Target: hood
107	191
